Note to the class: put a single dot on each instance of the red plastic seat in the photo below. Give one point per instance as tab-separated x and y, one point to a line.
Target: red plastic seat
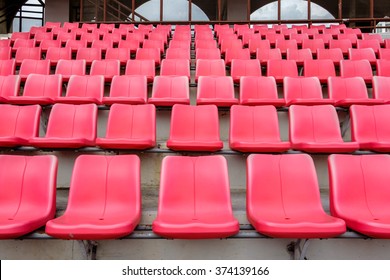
102	44
19	35
349	91
281	68
369	127
326	37
381	88
372	36
384	54
316	129
67	68
63	37
283	198
113	38
283	45
249	133
244	67
121	54
23	43
43	36
75	45
188	207
373	44
31	66
351	37
356	68
174	44
255	44
89	27
321	68
359	192
170	90
149	54
130	127
207	54
216	90
313	45
205	44
175	67
259	91
39	89
299	38
303	91
27	193
107	27
89	37
18	124
84	90
70	25
5	43
343	44
23	53
7	67
69	126
107	68
54	54
89	54
335	54
354	31
9	87
5	53
194	128
141	67
230	44
383	67
127	90
273	37
299	55
178	53
131	44
209	67
264	55
359	54
112	186
236	54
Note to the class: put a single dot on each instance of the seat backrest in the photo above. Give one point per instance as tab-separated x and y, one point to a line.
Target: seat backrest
27	53
313	44
140	67
245	67
71	67
178	53
319	68
43	85
9	86
86	86
343	88
175	67
129	86
202	53
258	88
107	67
31	66
362	53
282	68
7	67
299	55
102	44
318	124
355	68
383	67
131	44
343	44
264	55
89	54
210	67
215	87
149	53
255	44
131	121
381	88
80	121
335	54
5	53
370	123
384	53
122	54
302	88
20	121
369	43
55	54
170	87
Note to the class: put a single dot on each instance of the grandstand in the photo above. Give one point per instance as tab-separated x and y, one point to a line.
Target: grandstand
123	136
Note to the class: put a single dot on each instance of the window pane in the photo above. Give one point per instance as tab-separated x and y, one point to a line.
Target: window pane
259	11
318	12
293	9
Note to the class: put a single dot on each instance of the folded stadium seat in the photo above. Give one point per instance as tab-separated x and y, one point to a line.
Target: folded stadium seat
206	44
381	88
273	37
204	35
109	27
335	54
216	90
89	27
303	91
230	44
89	37
279	69
149	53
181	36
28	201
360	54
7	67
121	54
313	45
131	44
112	185
299	38
112	37
102	44
256	43
299	55
369	43
84	90
351	37
264	55
178	53
18	124
64	36
80	131
333	32
154	44
320	68
359	192
46	44
39	89
145	27
70	25
207	53
19	35
283	45
55	54
107	68
23	43
287	32
355	31
175	67
9	87
170	90
249	133
31	66
75	45
372	36
5	53
283	198
141	67
209	67
259	91
316	129
174	44
383	67
349	91
159	36
356	68
138	35
130	127
194	128
5	43
122	33
50	24
325	37
343	44
23	53
229	39
312	32
194	199
244	67
67	68
384	54
89	54
369	127
235	53
127	90
247	37
41	36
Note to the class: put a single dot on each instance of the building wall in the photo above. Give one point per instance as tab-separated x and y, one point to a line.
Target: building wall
57	10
